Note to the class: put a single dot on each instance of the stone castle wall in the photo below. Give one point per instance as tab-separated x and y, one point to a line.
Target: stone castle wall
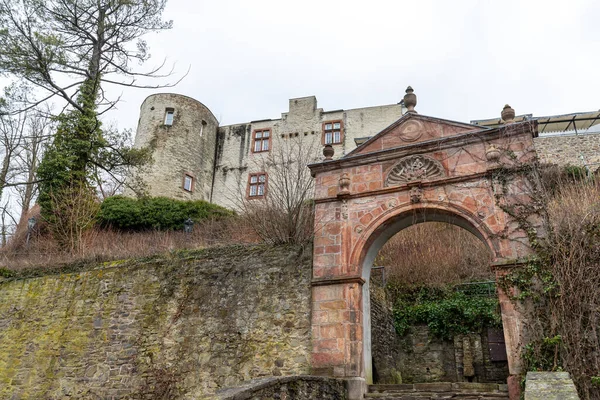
185	147
221	158
297	132
179	327
226	152
303	387
583	149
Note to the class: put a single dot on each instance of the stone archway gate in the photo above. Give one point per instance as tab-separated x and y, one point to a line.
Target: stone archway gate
418	169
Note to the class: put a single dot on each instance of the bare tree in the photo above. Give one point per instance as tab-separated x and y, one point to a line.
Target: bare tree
8	222
116	163
39	131
12	131
284	211
73	49
58	45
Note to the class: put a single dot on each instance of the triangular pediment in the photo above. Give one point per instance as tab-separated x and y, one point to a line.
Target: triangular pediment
413	128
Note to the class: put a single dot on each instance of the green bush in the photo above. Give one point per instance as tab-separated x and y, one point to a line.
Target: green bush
446	313
543	354
155	213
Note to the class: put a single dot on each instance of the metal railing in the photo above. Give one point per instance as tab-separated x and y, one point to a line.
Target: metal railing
484	289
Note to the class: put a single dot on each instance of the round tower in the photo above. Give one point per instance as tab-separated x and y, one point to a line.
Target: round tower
182	134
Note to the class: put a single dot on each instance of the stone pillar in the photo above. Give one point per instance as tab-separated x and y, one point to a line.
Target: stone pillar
512	322
337	327
337	301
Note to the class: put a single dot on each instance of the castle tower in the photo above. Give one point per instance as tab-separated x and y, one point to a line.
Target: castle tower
182	134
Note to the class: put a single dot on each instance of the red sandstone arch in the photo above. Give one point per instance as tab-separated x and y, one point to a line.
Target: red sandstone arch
420	168
392	222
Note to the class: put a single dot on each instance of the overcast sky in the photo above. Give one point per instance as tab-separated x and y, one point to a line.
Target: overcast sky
465	59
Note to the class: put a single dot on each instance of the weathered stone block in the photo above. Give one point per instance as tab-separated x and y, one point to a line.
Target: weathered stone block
550	386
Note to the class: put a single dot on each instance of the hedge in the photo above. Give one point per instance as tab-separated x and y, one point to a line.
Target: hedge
155	213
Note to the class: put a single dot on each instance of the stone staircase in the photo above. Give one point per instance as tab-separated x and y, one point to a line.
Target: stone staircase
439	390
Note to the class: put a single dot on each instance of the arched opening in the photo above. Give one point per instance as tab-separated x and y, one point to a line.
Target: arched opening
415	225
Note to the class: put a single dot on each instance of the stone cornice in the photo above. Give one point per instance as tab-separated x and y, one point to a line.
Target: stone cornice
427	146
337	281
509	264
401	188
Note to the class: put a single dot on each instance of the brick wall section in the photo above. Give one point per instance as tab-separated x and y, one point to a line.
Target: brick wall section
337	330
182	325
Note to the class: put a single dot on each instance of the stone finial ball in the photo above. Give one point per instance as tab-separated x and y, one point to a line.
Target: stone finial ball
410	100
508	114
328	152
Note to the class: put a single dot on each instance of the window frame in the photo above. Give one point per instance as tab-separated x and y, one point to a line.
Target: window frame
193	181
262	140
169	111
257	183
202	125
332	130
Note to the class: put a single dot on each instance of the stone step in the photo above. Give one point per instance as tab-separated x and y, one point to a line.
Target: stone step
439	390
437	396
441	387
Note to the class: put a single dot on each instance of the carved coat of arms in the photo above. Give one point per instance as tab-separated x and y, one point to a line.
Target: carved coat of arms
414	168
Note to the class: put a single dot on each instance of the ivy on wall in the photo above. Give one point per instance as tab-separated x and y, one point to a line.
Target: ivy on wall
446	312
557	287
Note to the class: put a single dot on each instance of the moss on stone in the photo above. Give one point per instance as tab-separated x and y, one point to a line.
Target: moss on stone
188	321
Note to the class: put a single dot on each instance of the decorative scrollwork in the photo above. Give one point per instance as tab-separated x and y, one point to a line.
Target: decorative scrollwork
414	168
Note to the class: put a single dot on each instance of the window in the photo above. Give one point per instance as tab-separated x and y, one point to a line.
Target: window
188	183
169	116
202	125
332	132
262	140
257	185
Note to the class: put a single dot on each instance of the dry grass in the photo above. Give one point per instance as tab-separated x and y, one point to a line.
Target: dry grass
435	254
104	245
573	250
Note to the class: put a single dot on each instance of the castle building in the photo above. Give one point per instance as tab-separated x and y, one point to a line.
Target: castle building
196	159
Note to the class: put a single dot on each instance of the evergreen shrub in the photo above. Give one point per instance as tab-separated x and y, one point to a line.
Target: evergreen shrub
155	213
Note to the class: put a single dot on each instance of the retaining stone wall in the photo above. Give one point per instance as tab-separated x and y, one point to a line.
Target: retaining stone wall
172	327
570	149
289	388
419	357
